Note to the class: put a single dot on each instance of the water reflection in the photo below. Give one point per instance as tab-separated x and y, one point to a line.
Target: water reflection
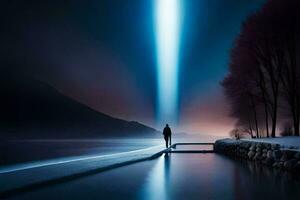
179	176
167	174
211	176
253	180
158	181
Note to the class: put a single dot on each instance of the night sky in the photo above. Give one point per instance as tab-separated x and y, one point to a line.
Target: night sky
103	54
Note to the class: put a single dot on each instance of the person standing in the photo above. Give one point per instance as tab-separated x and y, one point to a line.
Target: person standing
167	135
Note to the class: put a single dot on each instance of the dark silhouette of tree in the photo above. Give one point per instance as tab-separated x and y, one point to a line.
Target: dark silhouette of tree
287	26
286	130
237	133
241	90
264	68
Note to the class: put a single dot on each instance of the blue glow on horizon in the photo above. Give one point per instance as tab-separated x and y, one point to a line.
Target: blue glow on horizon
167	27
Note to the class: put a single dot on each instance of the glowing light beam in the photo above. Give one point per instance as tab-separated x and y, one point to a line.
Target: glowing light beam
167	27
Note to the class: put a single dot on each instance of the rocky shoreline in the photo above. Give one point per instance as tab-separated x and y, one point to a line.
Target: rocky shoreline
268	154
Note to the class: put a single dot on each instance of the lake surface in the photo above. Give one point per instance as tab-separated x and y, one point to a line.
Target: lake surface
21	151
178	176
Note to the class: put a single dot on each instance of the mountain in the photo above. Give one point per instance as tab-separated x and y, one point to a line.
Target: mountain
32	109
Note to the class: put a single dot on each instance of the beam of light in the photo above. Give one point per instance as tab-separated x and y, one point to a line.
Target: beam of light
167	28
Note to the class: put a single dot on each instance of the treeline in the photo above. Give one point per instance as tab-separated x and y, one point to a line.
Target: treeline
263	84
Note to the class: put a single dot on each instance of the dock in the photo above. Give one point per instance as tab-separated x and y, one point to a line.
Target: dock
174	149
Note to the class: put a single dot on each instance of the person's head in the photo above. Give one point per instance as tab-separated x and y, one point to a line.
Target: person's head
167	125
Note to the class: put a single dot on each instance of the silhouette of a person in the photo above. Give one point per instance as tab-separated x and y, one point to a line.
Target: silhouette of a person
167	135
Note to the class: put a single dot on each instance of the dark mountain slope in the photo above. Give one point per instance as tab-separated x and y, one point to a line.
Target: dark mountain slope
32	109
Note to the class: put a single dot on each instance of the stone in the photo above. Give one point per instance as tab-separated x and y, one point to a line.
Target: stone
290	154
247	145
290	164
275	165
284	157
252	148
277	154
280	165
264	155
297	166
259	145
264	150
256	156
270	154
258	149
297	156
265	146
275	146
251	154
269	161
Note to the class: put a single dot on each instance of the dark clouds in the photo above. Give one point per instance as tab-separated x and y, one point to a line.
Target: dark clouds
102	53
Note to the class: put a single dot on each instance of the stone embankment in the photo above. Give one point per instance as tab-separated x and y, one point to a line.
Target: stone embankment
268	154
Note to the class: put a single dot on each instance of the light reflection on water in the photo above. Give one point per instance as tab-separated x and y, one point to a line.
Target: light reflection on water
181	176
158	181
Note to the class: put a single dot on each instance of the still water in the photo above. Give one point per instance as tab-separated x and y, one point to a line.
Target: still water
178	176
23	151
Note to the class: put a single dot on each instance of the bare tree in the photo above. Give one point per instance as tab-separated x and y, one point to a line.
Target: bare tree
264	65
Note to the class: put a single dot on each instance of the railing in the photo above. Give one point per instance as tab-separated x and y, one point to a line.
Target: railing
172	148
